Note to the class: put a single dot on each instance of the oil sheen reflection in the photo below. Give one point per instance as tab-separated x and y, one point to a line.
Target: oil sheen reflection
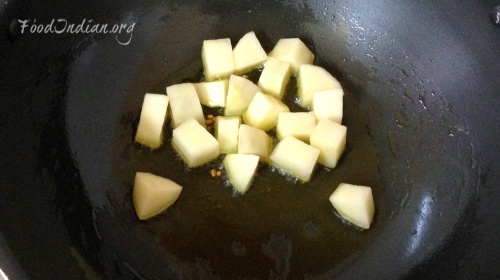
421	225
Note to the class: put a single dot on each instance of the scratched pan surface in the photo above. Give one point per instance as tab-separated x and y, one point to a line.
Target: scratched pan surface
421	83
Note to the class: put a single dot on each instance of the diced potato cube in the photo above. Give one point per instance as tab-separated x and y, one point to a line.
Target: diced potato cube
263	111
295	158
254	141
184	104
293	51
275	77
330	138
212	94
241	170
153	194
355	204
328	104
217	58
312	79
240	93
297	124
151	122
195	145
248	53
226	132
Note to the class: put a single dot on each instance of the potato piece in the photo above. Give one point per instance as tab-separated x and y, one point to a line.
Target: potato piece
241	170
328	105
312	79
354	203
275	77
226	132
184	104
295	158
330	138
263	111
297	124
217	58
248	53
254	141
194	143
152	119
212	94
153	194
293	51
240	93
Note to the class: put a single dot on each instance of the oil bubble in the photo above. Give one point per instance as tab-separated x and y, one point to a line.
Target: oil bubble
495	15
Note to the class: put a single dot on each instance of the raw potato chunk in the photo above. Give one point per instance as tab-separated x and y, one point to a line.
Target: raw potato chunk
240	170
328	105
312	79
217	58
254	141
297	124
194	143
212	94
293	51
151	122
275	77
184	104
263	111
248	53
295	158
330	138
153	194
354	203
226	132
240	93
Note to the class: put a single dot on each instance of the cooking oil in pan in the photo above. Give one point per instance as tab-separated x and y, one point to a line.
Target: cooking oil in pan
280	227
495	15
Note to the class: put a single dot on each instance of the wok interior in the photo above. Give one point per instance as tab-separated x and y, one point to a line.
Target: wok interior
407	133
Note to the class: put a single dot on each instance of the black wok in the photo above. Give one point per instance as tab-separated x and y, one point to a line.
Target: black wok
422	88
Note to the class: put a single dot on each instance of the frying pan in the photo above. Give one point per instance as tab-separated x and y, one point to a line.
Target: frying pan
422	91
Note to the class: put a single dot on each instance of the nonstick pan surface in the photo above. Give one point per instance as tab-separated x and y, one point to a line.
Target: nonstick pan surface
421	82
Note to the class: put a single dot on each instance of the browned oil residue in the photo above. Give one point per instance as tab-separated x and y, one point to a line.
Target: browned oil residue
279	227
